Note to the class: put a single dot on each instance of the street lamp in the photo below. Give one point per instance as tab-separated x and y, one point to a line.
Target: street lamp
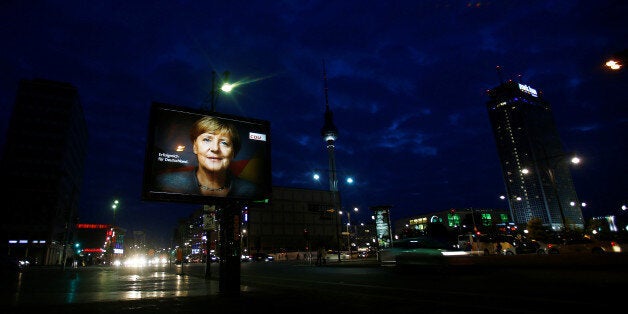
617	61
114	206
348	232
225	87
337	204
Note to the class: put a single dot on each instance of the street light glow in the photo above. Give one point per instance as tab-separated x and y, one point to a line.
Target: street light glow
227	87
613	65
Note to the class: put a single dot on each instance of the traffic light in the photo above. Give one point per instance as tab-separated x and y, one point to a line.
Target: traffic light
306	234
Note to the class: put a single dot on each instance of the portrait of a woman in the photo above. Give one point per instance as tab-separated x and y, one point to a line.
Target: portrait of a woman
216	142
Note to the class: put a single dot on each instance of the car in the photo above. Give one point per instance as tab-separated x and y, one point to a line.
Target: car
612	246
530	247
332	256
262	257
363	254
487	244
576	246
423	251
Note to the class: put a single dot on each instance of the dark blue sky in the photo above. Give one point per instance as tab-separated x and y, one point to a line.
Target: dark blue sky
407	85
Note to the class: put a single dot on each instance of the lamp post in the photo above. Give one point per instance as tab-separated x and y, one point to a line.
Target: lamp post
336	203
225	87
68	224
348	232
114	206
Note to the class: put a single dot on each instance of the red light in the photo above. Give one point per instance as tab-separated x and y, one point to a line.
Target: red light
93	250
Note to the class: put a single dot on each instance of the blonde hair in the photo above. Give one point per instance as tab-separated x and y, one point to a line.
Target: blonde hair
215	125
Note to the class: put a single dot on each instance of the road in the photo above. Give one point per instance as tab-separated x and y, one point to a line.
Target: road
504	284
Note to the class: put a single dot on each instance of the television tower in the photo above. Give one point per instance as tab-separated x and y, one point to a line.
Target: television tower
330	134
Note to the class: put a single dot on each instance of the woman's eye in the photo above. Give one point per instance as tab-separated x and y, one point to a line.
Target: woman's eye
225	143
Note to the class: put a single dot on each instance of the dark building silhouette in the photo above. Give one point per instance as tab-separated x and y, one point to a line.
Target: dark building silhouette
42	167
295	220
534	165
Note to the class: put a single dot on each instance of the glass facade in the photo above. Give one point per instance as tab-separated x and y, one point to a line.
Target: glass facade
535	170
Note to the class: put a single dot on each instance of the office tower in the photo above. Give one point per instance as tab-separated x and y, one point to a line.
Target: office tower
42	167
534	165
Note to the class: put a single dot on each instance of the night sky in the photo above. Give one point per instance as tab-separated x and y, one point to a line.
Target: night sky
407	85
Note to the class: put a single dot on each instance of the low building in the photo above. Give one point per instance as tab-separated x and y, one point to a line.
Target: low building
457	221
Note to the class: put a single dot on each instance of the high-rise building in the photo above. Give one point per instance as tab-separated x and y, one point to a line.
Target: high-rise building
534	164
42	165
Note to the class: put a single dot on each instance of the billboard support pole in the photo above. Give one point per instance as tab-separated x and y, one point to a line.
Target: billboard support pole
229	269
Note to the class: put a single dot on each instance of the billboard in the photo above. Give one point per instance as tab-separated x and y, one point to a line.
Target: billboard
195	156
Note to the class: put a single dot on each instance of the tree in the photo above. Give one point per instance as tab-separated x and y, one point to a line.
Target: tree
537	231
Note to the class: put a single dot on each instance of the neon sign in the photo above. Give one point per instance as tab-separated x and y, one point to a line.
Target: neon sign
528	89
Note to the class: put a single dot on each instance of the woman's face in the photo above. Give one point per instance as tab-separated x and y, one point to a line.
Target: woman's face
214	151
